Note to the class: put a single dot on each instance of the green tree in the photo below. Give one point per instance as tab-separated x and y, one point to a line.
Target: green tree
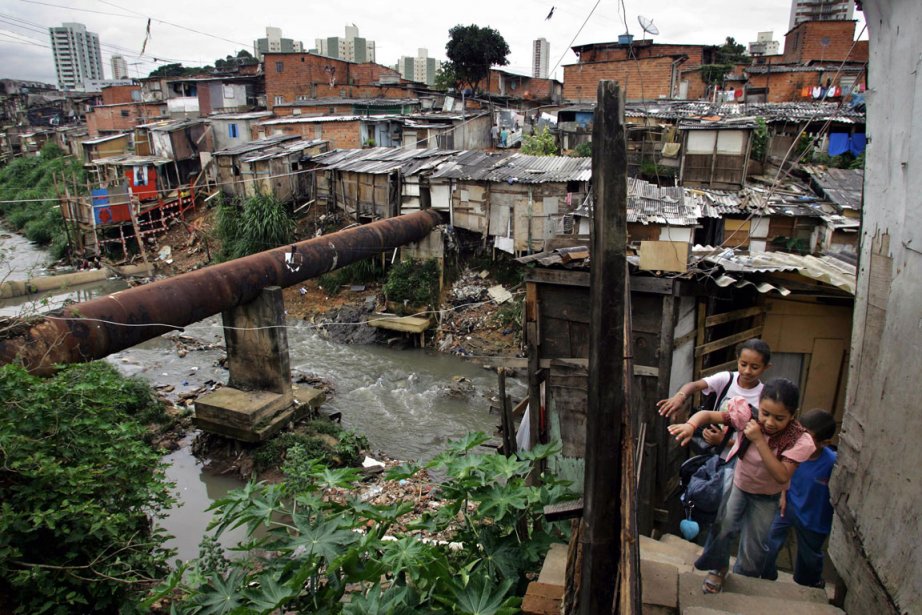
732	52
79	487
472	50
541	143
445	77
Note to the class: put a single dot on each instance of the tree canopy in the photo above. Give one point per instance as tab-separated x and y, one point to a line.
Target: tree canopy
472	50
732	52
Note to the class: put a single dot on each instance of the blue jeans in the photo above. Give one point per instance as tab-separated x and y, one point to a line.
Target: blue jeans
808	567
750	516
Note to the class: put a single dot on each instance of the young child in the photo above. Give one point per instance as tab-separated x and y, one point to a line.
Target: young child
777	444
806	507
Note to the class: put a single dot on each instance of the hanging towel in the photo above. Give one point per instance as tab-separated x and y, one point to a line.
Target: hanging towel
817	92
838	143
857	144
806	91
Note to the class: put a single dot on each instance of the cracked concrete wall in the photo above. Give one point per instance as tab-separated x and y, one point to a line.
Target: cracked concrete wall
877	487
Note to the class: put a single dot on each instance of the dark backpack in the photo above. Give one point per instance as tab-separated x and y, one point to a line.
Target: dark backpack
701	481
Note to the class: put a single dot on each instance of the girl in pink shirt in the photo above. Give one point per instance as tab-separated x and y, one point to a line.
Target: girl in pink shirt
774	444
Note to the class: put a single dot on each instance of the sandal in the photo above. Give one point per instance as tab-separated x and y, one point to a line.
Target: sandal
710	586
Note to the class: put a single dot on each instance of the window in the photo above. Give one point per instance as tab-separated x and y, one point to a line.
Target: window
279	66
232	131
279	100
125	113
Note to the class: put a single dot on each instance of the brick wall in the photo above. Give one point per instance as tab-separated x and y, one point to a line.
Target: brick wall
343	135
647	79
120	118
804	43
309	76
788	86
612	53
500	83
116	94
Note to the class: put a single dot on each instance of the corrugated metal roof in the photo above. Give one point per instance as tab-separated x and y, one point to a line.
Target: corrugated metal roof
252	146
316	119
772	112
516	168
826	269
105	138
250	115
132	160
844	187
381	160
282	150
171	125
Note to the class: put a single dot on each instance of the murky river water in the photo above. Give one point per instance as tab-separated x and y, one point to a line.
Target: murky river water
399	399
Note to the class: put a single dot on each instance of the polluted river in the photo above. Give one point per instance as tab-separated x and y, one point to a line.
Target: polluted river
408	403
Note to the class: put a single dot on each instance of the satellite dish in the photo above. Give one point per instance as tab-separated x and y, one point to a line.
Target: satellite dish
646	24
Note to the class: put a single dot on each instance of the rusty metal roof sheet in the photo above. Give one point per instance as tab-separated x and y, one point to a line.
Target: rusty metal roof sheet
252	146
283	149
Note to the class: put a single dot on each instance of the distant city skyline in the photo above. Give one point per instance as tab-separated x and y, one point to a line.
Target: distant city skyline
188	32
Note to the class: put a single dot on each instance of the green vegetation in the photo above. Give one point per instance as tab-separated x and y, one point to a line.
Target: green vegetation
472	50
322	555
259	223
760	140
79	486
541	143
321	439
29	183
360	272
583	150
413	282
511	315
445	78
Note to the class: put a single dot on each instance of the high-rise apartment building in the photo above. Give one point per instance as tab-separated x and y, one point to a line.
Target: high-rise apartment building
764	45
351	48
421	69
541	51
119	68
76	55
274	43
820	10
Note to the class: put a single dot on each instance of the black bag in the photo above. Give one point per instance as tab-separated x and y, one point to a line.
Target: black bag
701	481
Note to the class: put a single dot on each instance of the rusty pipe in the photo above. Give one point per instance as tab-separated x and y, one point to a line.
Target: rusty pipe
94	329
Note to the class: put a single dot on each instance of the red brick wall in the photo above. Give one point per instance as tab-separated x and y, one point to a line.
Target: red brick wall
787	87
110	119
116	94
695	53
344	135
804	43
526	88
647	79
303	75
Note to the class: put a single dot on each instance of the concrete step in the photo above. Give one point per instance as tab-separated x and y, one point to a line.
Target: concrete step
746	596
695	550
655	550
554	570
542	599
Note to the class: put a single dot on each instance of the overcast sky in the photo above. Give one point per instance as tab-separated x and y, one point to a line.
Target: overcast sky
196	32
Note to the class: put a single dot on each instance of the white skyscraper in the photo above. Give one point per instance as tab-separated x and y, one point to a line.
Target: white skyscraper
540	56
119	68
351	48
76	55
820	10
274	43
421	69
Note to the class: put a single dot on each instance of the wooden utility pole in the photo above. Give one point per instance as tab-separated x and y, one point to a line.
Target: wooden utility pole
600	534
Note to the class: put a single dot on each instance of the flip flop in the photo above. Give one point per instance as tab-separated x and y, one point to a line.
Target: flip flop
710	586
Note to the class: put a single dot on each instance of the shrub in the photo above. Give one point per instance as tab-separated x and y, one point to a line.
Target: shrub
541	143
261	223
583	150
413	282
78	486
360	272
308	552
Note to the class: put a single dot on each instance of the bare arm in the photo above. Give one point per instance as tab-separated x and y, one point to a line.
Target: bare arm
683	432
779	470
668	407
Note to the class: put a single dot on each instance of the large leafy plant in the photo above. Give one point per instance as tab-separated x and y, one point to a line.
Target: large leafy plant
79	486
308	553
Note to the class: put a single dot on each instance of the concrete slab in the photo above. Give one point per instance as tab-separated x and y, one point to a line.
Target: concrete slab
739	584
554	570
405	324
249	416
661	551
691	548
660	584
690	595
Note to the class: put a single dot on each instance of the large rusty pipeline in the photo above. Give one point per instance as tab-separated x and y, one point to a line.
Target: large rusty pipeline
94	329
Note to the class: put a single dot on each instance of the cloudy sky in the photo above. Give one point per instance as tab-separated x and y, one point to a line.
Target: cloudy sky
197	32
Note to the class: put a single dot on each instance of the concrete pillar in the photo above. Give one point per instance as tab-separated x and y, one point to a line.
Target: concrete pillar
257	344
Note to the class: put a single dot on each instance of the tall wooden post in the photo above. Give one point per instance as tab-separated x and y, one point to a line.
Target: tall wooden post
601	522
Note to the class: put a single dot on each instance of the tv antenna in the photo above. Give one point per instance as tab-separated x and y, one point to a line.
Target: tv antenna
646	24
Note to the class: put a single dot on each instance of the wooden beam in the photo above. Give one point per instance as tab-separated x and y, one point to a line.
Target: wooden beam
729	366
601	523
732	340
649	284
563	277
718	319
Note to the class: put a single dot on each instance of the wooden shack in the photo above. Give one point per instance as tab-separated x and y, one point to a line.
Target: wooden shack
105	147
281	169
